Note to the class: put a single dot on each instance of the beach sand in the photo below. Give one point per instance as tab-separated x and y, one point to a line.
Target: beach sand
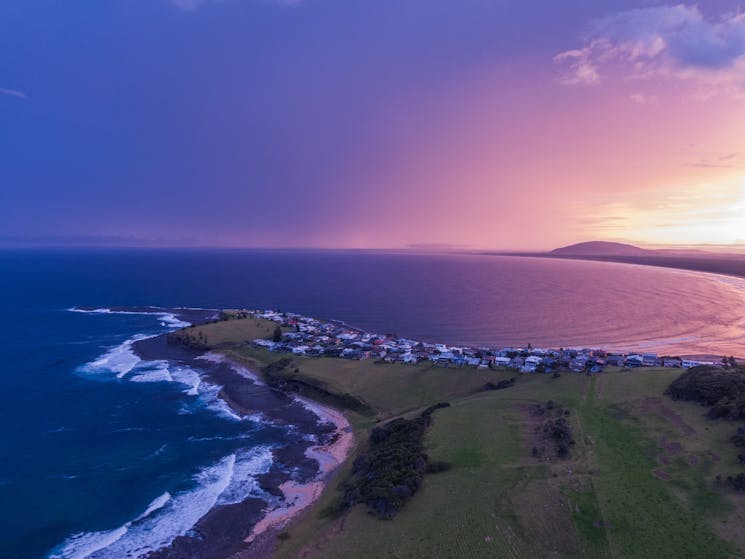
299	496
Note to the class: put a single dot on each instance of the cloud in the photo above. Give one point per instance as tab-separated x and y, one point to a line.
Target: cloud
675	42
13	93
722	161
642	99
191	5
690	213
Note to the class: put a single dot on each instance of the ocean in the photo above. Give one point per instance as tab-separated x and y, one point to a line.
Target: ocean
106	454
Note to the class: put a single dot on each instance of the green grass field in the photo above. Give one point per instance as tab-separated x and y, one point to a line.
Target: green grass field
639	482
226	333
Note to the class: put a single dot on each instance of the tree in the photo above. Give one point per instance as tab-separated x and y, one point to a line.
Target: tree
277	336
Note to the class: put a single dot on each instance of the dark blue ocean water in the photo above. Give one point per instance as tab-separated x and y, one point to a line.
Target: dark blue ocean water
86	452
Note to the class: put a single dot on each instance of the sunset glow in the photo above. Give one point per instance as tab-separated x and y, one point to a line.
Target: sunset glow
616	121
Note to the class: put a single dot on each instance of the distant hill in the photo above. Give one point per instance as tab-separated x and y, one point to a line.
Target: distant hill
601	248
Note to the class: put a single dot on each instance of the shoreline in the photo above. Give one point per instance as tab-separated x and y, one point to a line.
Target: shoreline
249	529
300	468
300	496
296	496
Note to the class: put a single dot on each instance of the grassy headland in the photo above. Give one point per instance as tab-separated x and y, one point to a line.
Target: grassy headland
638	480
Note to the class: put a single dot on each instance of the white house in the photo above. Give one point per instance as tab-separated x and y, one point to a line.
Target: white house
408	358
502	361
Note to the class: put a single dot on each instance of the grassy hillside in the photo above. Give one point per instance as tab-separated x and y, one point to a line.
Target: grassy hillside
639	481
391	389
225	333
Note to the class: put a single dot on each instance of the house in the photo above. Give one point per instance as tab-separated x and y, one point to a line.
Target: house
650	360
615	360
578	364
501	362
690	363
531	364
517	362
672	362
349	353
634	360
408	358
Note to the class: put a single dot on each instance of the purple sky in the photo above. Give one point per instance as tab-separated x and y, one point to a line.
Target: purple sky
350	123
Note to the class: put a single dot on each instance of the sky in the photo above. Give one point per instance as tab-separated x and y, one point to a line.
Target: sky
484	124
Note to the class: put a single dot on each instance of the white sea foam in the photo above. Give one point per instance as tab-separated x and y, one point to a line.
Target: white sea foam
231	480
125	364
241	370
156	375
82	546
243	484
189	377
163	520
157	503
210	395
167	319
119	360
161	371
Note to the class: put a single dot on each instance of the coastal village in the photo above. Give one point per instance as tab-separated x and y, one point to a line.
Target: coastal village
305	336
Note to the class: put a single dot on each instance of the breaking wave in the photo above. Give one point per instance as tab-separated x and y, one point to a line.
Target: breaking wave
231	480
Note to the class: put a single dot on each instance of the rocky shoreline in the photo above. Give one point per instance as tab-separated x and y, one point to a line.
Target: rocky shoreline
318	441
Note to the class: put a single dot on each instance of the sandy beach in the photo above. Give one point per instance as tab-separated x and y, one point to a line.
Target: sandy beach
299	496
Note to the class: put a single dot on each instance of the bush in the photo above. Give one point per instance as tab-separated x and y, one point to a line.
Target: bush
392	469
501	385
438	466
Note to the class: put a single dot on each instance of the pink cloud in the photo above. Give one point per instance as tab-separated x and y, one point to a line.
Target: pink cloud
669	42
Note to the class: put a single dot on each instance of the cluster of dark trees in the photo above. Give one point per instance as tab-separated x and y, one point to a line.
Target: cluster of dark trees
234	315
721	389
284	376
736	482
555	428
392	469
501	385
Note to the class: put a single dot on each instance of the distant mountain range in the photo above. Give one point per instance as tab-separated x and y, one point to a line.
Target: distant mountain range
730	263
602	248
607	249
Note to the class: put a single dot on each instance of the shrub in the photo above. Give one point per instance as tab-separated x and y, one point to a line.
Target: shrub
392	469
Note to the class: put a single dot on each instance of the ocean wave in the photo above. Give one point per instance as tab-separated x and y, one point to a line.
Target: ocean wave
210	394
158	503
167	319
127	366
240	369
231	480
243	483
119	360
161	373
